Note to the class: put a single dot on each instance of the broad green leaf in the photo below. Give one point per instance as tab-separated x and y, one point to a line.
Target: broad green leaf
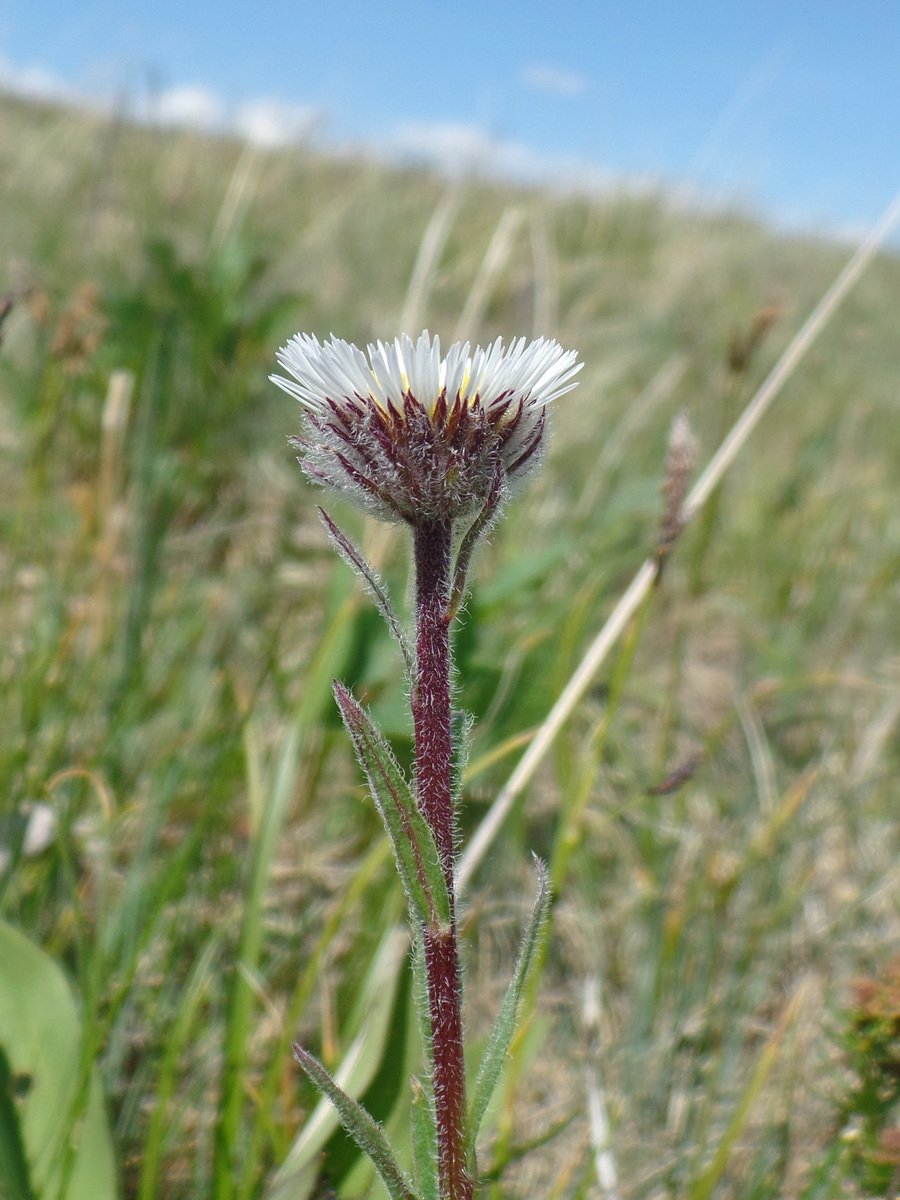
41	1038
414	846
366	1132
505	1026
15	1182
521	573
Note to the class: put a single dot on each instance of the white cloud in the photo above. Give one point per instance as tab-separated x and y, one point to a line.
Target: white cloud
543	77
263	121
271	123
451	147
34	82
191	107
471	149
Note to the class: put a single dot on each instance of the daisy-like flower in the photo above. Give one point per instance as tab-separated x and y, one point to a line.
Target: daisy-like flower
411	436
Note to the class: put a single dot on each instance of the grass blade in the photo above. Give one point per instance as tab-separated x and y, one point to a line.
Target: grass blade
237	1035
370	1028
705	1183
195	992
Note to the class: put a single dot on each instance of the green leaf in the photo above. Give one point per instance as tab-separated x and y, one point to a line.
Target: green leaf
476	532
386	1097
425	1149
705	1184
376	589
181	1029
523	572
420	996
461	727
366	1132
414	846
15	1183
505	1027
269	813
369	1027
66	1143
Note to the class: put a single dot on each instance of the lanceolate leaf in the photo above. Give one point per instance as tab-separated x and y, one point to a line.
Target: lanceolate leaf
425	1153
413	842
505	1027
366	1038
365	1131
476	531
420	996
356	559
460	729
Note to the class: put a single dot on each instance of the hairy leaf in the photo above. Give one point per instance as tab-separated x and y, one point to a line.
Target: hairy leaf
414	846
460	730
425	1150
365	1131
505	1026
376	589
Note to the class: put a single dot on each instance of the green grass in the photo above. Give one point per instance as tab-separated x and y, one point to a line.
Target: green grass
169	631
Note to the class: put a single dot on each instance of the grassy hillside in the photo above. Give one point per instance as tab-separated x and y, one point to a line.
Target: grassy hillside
170	610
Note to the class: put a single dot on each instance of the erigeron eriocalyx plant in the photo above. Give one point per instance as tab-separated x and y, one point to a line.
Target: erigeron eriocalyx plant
437	443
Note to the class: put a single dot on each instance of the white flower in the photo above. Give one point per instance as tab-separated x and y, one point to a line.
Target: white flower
414	436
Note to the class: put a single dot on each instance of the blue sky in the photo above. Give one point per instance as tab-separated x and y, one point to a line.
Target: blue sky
791	106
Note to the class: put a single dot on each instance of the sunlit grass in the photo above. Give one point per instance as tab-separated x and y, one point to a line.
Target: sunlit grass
170	624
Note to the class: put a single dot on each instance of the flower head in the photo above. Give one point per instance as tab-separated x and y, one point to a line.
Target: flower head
415	437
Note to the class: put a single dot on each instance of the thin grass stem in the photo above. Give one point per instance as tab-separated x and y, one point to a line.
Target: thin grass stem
430	249
643	581
495	259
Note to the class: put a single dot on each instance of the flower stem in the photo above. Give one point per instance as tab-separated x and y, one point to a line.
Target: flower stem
432	550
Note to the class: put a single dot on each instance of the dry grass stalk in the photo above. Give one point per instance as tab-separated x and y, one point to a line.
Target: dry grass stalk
681	458
495	259
643	581
430	250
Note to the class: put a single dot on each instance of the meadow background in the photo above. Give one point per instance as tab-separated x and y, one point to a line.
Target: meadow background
719	814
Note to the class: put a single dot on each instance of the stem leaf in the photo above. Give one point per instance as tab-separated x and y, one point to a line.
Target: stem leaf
425	1151
475	533
505	1026
413	842
460	729
355	558
364	1130
420	997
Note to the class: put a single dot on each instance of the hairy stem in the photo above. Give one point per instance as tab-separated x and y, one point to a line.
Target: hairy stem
432	549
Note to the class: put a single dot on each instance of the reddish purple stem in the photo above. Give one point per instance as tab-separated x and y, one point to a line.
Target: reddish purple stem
433	548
